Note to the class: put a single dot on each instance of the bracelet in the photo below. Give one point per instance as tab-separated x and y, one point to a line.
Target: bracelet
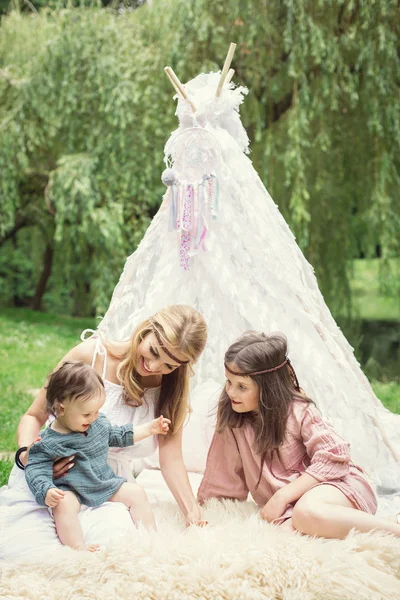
18	461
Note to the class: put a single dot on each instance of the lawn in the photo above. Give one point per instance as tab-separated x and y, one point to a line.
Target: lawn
369	300
32	343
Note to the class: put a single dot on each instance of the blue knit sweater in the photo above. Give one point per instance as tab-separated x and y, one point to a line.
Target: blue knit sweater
91	479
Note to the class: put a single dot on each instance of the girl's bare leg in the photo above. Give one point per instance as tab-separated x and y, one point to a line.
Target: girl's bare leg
67	523
287	526
135	498
324	511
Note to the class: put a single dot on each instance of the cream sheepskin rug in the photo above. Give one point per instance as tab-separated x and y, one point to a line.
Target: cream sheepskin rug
237	557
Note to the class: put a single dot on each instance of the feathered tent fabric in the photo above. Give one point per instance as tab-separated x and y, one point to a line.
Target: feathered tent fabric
250	274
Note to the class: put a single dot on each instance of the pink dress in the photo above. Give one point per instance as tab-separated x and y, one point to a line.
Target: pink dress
311	446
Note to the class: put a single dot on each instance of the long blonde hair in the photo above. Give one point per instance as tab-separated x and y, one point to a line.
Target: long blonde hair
181	328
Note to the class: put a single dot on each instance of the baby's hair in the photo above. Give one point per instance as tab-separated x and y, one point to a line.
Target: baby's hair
74	380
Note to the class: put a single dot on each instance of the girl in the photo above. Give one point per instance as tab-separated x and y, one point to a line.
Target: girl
144	377
75	395
272	442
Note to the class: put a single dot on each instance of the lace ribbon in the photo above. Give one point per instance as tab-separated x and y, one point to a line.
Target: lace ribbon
192	205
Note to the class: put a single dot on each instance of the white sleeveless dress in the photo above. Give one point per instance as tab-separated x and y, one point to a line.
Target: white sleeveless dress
126	462
27	528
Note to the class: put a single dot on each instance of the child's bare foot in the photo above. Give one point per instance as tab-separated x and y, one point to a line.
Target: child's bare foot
88	547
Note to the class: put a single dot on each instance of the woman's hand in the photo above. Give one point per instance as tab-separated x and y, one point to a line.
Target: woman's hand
23	457
275	507
193	517
61	466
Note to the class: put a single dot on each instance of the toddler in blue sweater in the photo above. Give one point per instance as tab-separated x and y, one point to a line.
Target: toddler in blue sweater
75	395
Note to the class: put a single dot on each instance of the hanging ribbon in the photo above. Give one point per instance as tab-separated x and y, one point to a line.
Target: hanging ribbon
200	200
172	208
186	227
192	205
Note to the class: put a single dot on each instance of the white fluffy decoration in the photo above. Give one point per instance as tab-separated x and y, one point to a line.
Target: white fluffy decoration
253	276
168	177
237	557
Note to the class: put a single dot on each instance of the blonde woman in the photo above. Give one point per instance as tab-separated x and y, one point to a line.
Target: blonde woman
143	378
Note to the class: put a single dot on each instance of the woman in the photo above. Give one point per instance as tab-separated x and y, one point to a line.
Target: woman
143	378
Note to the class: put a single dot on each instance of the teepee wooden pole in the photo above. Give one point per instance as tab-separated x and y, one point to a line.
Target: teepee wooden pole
173	83
385	438
231	73
178	86
225	68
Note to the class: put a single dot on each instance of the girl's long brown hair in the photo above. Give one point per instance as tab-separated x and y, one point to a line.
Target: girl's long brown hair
253	352
183	329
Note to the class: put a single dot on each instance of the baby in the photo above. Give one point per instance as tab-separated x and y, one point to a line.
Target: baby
74	395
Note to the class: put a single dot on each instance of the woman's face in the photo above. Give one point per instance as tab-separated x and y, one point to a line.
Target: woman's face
153	360
243	392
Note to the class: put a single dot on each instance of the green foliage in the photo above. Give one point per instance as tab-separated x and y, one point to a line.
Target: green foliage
73	156
370	300
29	6
85	111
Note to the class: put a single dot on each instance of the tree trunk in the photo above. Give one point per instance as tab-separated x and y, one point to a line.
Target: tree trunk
10	235
44	277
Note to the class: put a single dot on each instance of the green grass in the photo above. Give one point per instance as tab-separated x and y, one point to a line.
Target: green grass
31	344
5	469
389	394
369	301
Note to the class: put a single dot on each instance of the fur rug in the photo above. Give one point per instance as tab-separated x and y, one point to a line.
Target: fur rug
237	557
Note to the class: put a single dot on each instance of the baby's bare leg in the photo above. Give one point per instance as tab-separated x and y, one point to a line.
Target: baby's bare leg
135	498
67	523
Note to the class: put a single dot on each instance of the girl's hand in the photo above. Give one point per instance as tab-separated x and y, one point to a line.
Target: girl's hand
274	508
160	426
53	497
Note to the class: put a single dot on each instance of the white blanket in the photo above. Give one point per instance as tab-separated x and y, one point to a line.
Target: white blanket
27	530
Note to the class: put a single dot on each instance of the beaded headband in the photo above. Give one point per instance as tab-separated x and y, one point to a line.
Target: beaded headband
159	340
258	372
271	370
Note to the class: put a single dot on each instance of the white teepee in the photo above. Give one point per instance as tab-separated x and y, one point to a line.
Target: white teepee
251	276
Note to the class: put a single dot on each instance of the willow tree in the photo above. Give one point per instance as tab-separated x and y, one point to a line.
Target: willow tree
85	111
77	153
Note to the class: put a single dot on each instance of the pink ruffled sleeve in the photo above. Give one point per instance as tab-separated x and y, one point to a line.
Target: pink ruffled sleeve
328	452
224	475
